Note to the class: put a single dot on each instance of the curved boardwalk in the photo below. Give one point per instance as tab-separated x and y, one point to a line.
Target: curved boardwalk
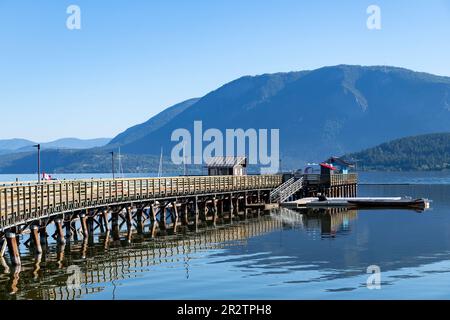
80	207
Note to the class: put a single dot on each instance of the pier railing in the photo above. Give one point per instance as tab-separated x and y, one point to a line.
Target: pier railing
25	201
332	180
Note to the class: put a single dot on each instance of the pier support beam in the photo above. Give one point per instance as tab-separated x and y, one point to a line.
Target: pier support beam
84	227
115	226
43	233
35	239
186	214
140	220
215	212
59	232
196	211
153	220
175	217
67	226
129	217
105	217
13	248
162	218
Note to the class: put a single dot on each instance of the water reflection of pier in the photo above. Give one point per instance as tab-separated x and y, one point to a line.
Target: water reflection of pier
105	262
328	222
109	261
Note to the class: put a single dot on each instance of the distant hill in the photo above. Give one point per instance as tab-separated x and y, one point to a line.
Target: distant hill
329	111
139	131
14	144
424	152
332	110
74	143
81	161
22	145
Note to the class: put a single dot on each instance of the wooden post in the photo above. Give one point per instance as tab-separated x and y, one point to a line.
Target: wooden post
115	226
59	232
186	214
196	214
13	248
129	217
73	230
231	207
90	224
43	233
140	220
83	220
35	239
162	218
215	212
67	226
105	218
175	220
221	207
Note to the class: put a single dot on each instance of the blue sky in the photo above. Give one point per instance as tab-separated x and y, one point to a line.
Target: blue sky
133	58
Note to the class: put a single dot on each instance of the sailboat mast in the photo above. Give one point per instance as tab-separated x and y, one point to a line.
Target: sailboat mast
122	175
160	164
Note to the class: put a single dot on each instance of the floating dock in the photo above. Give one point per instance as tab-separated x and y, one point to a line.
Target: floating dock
356	203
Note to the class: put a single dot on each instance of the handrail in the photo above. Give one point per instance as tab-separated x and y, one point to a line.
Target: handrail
293	188
283	186
23	202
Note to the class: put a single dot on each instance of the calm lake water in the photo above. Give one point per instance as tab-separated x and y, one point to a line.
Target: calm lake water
287	255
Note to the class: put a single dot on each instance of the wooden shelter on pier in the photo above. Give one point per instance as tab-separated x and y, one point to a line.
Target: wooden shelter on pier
227	166
341	165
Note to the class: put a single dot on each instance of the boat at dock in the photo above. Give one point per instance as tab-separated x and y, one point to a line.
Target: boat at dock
386	203
367	203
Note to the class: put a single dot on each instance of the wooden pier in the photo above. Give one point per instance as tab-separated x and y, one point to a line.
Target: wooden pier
79	208
335	185
120	261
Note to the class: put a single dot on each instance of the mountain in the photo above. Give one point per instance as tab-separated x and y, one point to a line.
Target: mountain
332	110
139	131
81	161
423	152
21	145
329	111
74	143
14	144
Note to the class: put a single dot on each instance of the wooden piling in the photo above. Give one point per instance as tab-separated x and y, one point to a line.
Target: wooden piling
13	248
84	227
67	226
231	207
59	232
162	218
43	233
215	212
140	220
186	214
196	209
115	226
129	217
105	217
35	239
175	217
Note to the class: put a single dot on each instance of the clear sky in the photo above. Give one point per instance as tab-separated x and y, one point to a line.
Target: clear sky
133	58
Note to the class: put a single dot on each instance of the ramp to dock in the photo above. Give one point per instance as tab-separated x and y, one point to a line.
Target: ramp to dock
286	190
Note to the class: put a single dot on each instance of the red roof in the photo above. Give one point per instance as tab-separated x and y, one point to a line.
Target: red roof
328	166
